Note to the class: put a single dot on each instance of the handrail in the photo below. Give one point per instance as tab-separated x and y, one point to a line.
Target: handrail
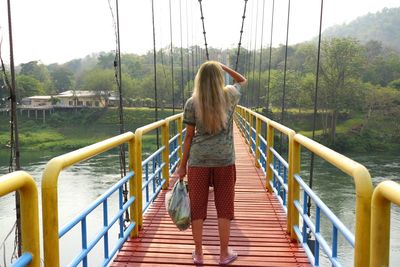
50	197
362	179
385	193
23	183
363	187
137	165
268	157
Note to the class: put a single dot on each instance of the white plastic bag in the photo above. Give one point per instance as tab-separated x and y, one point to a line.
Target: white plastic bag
178	205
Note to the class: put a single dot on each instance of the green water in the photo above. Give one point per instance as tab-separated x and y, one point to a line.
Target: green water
81	184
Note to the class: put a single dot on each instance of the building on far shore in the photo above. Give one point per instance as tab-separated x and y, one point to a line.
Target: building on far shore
71	99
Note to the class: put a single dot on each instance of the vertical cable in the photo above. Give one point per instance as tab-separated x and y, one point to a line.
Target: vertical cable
14	129
187	45
285	65
284	76
180	18
172	59
118	77
261	50
241	34
254	57
270	55
204	30
315	102
250	45
155	69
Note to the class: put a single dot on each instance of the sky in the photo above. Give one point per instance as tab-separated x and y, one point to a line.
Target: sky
56	31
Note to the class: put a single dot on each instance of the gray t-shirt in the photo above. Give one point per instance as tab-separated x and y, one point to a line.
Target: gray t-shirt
212	150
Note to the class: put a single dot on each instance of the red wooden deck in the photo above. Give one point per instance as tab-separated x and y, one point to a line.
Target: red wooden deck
258	232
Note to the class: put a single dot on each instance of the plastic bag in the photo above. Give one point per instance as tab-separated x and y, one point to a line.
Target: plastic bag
178	205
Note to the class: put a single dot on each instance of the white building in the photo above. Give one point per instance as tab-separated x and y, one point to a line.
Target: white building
37	101
72	98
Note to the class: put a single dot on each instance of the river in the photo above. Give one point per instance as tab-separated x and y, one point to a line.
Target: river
81	184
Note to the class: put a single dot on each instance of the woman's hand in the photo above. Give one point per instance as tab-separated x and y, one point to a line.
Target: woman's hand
180	172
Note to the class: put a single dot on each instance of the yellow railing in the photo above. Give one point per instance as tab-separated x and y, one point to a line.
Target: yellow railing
371	235
271	127
385	193
358	172
363	187
49	190
164	125
23	183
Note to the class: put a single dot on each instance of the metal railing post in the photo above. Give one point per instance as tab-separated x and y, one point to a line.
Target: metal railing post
293	187
270	144
250	130
384	194
133	211
258	131
139	178
165	153
180	139
23	183
363	185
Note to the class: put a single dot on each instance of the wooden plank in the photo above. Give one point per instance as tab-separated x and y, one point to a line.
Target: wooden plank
258	232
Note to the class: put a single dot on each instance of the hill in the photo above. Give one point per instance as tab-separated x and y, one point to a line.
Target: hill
382	26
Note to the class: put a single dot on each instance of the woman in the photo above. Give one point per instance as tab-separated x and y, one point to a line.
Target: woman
208	153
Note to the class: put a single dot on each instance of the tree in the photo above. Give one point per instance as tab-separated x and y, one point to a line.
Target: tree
39	72
62	78
28	86
341	61
101	81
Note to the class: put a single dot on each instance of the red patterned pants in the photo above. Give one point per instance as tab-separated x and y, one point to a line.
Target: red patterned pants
223	179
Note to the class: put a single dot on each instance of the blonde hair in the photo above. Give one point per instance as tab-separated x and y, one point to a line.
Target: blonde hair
209	97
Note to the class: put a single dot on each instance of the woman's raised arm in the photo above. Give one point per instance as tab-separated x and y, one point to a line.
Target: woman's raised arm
239	78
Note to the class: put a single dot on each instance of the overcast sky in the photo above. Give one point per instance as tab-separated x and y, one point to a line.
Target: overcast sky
61	30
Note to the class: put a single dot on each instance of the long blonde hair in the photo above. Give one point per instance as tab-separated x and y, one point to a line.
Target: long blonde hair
209	97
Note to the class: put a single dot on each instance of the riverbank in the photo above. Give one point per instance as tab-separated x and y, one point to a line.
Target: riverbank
72	129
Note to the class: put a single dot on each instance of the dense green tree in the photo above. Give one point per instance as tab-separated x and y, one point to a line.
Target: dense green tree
341	63
62	78
28	86
39	72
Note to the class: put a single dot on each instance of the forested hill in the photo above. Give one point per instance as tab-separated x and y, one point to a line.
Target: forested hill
382	26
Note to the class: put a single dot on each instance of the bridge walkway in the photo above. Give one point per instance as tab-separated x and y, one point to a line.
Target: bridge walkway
258	232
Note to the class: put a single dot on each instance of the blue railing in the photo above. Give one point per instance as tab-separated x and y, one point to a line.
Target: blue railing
153	181
152	172
23	261
279	167
103	233
279	170
279	181
303	234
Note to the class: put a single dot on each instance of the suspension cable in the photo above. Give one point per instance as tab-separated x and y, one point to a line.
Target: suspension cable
249	95
187	46
204	29
182	89
118	80
284	76
315	103
285	65
11	145
255	52
241	34
172	59
261	49
270	55
155	69
14	129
